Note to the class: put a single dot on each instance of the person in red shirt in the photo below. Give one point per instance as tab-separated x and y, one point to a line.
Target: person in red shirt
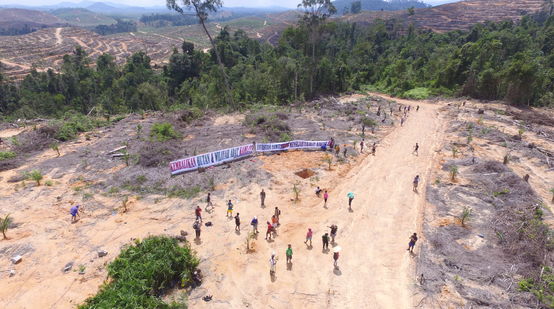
198	213
269	231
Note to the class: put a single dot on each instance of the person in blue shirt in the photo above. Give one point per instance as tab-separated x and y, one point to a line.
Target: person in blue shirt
350	196
74	211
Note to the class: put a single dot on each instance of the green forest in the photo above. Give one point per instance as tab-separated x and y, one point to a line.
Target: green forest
505	61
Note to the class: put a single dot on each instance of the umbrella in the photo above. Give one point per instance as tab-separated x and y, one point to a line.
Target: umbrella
337	249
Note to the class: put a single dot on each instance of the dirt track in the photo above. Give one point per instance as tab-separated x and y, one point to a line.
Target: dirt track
375	269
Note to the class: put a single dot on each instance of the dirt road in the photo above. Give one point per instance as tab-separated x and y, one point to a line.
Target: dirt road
374	267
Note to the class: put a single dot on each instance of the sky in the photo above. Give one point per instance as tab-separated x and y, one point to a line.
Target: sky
228	3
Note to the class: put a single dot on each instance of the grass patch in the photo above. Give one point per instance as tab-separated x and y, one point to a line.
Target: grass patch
184	193
143	272
6	155
419	93
74	124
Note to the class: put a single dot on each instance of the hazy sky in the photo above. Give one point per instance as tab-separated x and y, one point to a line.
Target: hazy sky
246	3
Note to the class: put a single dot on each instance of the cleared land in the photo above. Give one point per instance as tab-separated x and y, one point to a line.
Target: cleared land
375	271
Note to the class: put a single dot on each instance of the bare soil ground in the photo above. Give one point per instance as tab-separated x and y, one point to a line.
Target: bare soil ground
375	270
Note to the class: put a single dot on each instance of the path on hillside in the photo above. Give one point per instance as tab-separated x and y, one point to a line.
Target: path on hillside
58	34
375	268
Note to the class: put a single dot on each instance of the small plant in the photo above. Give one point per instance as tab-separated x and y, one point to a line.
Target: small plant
126	156
5	225
499	193
139	130
15	141
506	159
438	180
469	139
453	172
454	151
480	120
87	196
296	190
329	160
56	148
82	268
49	183
520	132
35	175
113	190
466	213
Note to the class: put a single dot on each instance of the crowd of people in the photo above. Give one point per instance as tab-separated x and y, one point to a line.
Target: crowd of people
272	225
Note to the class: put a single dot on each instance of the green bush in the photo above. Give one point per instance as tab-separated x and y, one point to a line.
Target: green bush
163	131
5	155
142	272
74	124
419	93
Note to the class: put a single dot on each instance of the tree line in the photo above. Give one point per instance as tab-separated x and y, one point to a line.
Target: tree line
505	60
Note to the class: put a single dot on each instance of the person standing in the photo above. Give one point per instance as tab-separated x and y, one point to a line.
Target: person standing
416	183
254	224
237	222
197	228
229	209
325	197
325	240
318	192
262	197
198	213
344	151
334	228
417	108
74	211
289	254
350	196
209	200
336	256
402	119
416	149
373	148
269	231
277	214
337	150
309	237
411	244
362	146
272	264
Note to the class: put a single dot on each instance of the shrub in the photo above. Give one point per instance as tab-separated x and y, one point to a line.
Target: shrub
74	124
5	225
163	131
35	175
5	155
142	272
466	213
296	190
328	159
56	148
453	172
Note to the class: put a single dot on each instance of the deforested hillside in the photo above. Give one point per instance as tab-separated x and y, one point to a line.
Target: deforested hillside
460	15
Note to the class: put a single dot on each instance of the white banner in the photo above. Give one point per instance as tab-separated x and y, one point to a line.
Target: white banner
210	159
231	154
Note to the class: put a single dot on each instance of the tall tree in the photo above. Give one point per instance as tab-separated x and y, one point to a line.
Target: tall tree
356	7
315	14
201	9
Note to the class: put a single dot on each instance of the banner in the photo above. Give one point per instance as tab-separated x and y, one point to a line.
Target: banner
291	145
231	154
210	159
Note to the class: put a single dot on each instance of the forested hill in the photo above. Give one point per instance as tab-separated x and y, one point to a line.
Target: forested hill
379	5
505	60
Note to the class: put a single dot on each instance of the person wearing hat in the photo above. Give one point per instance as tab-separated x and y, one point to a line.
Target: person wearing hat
74	211
254	224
